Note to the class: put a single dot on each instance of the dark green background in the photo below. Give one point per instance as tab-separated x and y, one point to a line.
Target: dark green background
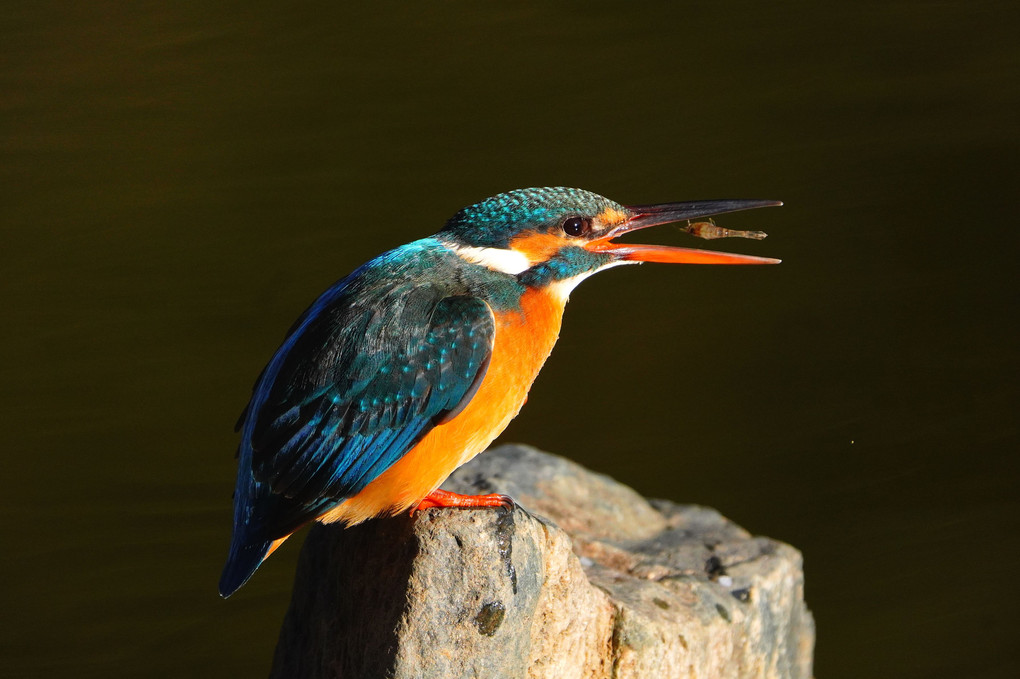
180	179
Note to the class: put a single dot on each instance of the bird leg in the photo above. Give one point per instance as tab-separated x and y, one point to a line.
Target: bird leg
444	498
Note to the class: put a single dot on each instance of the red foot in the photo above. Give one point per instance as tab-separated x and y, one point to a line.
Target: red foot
444	498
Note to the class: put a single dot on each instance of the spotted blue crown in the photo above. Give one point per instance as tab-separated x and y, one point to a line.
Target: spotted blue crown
495	221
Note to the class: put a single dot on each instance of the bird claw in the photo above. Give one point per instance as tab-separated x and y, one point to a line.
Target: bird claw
444	498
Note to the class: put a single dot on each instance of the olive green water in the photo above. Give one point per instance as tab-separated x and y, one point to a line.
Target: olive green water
180	180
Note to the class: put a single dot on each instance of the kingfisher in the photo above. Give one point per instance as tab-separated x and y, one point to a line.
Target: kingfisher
415	362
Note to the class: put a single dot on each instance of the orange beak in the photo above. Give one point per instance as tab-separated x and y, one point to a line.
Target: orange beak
644	216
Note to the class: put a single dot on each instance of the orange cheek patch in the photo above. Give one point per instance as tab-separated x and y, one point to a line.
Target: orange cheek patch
538	247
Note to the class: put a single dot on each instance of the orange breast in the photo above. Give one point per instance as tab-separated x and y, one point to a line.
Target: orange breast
523	341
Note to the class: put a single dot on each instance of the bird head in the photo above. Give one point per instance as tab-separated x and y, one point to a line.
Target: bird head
563	235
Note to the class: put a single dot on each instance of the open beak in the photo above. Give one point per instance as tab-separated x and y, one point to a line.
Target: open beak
644	216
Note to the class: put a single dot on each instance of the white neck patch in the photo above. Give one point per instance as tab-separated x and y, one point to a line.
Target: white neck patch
513	262
498	259
563	288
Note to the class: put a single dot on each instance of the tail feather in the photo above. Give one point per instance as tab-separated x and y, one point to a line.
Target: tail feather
241	564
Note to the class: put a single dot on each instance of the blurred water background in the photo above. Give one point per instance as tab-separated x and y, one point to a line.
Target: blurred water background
181	179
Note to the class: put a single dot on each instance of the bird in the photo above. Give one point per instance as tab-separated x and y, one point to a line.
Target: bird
416	361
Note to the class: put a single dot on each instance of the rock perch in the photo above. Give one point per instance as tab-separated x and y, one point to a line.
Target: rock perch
584	579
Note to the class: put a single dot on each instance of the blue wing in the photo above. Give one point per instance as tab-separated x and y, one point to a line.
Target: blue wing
342	417
362	377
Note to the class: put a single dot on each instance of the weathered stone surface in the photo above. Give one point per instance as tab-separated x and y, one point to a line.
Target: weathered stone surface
609	585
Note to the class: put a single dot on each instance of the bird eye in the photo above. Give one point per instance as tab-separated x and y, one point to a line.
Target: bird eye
576	226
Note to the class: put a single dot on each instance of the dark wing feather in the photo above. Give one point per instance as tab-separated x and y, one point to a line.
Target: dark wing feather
358	387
